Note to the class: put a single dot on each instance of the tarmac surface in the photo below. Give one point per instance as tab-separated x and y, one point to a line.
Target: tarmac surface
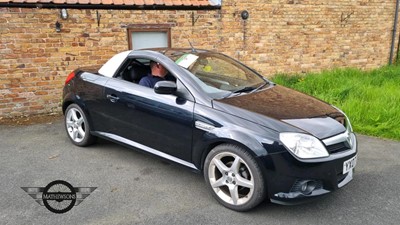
136	188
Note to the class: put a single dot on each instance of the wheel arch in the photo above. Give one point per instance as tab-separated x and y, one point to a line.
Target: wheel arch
65	105
249	144
216	143
71	99
259	185
68	99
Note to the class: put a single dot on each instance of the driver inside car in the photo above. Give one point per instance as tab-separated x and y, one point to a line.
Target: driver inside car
158	73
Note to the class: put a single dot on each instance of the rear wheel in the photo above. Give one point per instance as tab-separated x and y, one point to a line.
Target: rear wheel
77	126
234	177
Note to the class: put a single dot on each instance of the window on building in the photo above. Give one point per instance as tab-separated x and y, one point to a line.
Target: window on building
149	36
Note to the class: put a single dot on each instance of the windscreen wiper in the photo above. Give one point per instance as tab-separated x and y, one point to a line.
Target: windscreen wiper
259	87
247	89
244	89
240	90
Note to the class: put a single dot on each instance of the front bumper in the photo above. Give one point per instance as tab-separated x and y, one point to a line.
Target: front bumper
291	181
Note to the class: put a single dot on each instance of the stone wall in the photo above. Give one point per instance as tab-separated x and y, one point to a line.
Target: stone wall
290	36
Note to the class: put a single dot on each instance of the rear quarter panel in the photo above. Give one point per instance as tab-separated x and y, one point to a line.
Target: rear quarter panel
86	90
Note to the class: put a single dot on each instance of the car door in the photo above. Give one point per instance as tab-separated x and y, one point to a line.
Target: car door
150	121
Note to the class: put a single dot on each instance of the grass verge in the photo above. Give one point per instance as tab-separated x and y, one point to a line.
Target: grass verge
371	99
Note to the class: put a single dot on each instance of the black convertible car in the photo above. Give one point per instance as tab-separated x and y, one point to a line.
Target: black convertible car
252	139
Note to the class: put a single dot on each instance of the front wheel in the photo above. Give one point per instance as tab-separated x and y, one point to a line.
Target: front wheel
234	177
77	126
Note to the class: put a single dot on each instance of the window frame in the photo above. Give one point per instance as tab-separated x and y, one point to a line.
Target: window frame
148	28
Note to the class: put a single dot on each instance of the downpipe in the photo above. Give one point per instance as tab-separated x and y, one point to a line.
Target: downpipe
396	15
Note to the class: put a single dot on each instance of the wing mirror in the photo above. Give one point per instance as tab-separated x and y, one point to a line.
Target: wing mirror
165	87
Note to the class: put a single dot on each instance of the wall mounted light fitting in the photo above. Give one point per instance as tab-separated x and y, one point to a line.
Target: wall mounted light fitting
58	27
64	14
244	14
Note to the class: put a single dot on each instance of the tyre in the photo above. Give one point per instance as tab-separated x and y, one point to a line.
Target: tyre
77	126
234	177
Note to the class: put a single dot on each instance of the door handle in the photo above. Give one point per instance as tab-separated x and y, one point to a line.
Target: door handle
112	98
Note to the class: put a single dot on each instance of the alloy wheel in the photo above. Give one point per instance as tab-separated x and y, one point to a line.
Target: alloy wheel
76	126
231	178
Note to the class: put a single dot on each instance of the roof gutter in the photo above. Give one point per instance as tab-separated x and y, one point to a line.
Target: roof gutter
396	15
102	6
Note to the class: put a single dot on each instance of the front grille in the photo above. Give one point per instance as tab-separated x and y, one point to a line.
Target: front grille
339	143
339	147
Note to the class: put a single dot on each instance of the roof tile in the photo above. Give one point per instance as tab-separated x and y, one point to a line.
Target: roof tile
148	2
139	2
119	2
167	2
204	2
176	2
187	2
159	2
128	2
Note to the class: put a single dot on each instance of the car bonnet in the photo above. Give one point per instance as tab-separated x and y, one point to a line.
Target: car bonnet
297	109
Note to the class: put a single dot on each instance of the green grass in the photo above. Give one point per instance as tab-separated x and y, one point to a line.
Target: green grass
371	99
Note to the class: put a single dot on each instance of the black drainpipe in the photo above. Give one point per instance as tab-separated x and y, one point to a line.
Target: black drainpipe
398	49
394	32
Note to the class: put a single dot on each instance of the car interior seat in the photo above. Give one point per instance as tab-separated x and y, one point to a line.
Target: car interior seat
135	71
138	71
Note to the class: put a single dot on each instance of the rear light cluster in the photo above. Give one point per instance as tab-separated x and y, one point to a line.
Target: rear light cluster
69	78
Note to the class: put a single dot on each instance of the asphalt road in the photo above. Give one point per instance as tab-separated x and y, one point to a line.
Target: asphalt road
134	188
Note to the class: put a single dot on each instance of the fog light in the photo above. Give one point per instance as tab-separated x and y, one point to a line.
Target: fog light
307	187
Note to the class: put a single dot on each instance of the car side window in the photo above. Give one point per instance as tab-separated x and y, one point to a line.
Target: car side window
133	70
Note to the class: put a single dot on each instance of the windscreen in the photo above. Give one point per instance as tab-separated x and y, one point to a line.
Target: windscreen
218	75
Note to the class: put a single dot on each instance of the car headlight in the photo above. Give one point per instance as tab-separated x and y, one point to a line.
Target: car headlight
303	145
349	128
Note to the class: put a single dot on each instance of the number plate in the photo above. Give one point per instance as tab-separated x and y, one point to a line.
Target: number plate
349	164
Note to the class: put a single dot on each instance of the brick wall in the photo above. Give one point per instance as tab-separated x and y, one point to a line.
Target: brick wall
288	36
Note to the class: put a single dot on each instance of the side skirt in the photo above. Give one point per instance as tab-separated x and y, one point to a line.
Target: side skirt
119	139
